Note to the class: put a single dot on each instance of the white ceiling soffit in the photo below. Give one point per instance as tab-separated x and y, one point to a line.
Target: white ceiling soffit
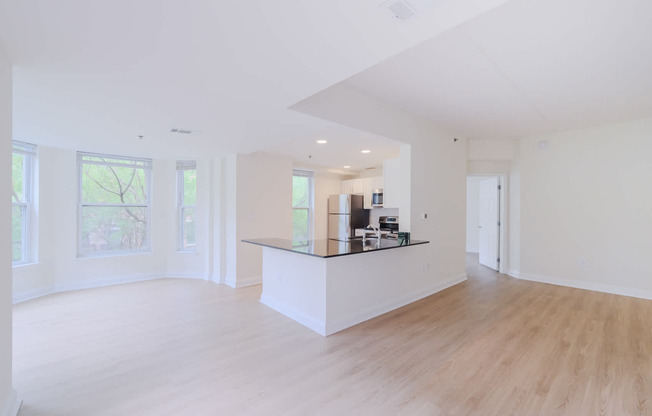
95	75
525	68
343	148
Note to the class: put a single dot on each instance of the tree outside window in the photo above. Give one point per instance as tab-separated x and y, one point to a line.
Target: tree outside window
22	196
302	197
114	204
187	204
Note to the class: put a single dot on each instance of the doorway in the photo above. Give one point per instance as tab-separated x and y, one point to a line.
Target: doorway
485	219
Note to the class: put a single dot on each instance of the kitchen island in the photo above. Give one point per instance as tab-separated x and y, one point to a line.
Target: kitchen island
330	285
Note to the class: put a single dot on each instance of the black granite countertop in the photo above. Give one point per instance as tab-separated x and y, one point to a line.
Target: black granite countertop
332	248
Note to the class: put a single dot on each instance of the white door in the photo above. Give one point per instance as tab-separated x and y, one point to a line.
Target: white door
489	223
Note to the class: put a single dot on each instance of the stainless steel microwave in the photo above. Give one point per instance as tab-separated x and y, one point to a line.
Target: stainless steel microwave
377	198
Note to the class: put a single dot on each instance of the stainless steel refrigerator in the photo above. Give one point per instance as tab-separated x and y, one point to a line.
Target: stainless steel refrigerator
345	214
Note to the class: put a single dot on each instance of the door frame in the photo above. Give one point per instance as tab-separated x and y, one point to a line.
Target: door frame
503	202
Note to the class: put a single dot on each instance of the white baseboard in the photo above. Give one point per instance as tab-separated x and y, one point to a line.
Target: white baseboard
216	278
472	250
186	276
378	310
514	273
292	313
582	284
11	405
118	280
86	284
107	281
329	328
31	294
256	280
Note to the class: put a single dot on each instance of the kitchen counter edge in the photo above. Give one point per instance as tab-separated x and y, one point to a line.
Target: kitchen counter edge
287	246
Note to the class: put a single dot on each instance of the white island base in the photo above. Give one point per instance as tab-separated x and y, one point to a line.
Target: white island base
329	294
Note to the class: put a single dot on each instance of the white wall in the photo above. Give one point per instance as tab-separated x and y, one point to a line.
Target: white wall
405	207
258	192
435	182
473	213
230	242
439	189
586	208
488	167
8	401
484	150
371	173
514	222
58	267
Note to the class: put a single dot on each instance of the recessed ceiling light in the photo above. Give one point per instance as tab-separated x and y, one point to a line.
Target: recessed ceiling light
347	167
366	151
322	141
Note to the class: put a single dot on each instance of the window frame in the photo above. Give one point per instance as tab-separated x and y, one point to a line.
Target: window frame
147	166
311	203
29	236
182	167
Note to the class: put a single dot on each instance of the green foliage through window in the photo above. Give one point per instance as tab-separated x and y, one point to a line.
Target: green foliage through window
114	204
187	203
301	205
22	159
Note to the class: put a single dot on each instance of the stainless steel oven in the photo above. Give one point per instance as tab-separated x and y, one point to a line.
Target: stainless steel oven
389	224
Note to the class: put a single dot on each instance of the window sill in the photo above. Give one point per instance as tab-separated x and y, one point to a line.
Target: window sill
24	265
97	255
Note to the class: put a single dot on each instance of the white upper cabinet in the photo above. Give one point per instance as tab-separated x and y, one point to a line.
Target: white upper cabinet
352	186
392	183
362	186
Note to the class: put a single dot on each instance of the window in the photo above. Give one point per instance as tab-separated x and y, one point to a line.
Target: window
22	197
301	205
186	203
114	204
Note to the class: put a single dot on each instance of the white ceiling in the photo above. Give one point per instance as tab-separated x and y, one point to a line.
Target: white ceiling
94	75
526	68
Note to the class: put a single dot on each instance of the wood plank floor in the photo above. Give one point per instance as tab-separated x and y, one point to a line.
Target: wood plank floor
490	346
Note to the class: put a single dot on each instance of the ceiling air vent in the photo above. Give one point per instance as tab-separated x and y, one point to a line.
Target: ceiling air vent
400	9
181	131
407	9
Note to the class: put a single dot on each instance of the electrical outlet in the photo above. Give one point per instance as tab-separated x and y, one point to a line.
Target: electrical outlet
583	262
